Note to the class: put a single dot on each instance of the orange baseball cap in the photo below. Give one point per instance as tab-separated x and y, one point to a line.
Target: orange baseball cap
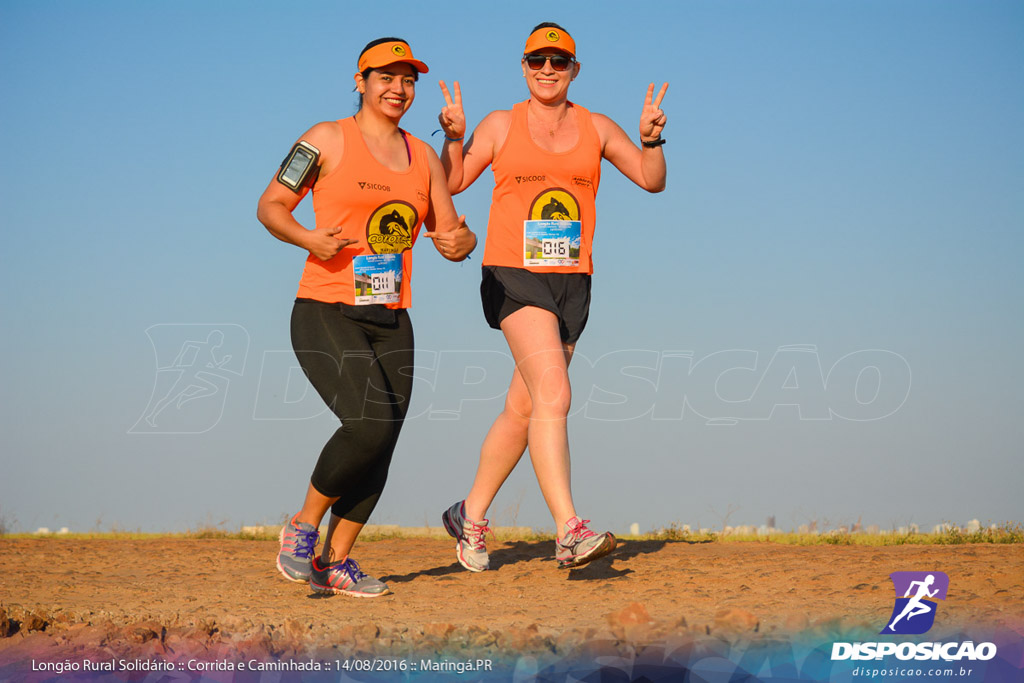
390	53
551	37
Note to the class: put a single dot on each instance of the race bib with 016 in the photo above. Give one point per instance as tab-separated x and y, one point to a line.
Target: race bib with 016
377	278
551	243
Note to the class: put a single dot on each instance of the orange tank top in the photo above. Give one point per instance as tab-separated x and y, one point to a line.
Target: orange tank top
542	210
383	210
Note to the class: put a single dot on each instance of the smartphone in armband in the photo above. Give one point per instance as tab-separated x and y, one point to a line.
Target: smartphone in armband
299	167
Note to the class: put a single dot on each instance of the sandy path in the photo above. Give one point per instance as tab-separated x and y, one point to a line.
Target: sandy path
166	596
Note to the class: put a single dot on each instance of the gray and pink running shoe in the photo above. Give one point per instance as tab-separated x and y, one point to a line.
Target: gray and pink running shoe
579	545
470	549
295	558
345	578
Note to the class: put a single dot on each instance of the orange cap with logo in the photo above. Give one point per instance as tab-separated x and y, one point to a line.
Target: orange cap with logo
551	37
389	53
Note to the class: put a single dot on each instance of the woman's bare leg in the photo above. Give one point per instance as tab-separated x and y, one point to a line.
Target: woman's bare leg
534	415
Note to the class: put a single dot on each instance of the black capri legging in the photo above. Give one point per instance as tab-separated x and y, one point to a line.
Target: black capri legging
363	371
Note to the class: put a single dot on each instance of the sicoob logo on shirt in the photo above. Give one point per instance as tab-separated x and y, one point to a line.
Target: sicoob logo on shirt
555	204
389	230
914	611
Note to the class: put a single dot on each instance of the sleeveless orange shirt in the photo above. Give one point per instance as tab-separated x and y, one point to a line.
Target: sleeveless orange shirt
532	184
383	210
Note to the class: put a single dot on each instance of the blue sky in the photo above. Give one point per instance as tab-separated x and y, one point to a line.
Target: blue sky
819	319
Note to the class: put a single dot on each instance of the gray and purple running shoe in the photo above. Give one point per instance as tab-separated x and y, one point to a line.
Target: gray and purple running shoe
295	558
345	578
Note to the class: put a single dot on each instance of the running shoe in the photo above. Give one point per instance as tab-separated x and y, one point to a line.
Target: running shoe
470	548
298	540
580	545
345	577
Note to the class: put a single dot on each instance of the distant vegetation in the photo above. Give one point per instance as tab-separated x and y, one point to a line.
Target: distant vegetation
946	534
6	523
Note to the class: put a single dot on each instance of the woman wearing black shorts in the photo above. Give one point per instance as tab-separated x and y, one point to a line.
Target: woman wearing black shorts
546	156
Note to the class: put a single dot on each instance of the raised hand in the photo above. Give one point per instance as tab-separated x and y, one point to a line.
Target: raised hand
652	118
452	118
325	244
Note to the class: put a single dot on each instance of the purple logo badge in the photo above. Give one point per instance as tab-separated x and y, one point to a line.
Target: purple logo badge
916	595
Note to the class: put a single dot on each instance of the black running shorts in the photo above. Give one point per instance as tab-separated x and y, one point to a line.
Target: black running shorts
503	291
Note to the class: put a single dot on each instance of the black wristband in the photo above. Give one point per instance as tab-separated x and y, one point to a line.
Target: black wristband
653	143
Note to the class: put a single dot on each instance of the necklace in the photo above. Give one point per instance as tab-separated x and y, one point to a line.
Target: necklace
558	124
552	129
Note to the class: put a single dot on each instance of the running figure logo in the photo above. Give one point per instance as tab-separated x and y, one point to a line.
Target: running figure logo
194	366
914	612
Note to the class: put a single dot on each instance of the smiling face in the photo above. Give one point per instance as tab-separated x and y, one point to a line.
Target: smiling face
388	90
546	84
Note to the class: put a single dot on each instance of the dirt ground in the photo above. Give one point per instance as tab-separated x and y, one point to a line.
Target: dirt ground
174	597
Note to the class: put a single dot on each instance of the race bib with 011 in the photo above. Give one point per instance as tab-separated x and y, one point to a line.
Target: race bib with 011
377	278
551	243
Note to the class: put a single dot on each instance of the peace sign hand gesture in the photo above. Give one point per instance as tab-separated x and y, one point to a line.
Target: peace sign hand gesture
452	118
652	118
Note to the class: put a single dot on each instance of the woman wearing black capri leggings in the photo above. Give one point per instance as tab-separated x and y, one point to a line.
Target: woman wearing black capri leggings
373	186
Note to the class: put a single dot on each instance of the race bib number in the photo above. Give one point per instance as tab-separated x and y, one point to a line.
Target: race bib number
551	243
377	278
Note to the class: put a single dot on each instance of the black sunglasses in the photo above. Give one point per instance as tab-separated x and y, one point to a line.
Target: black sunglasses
558	62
